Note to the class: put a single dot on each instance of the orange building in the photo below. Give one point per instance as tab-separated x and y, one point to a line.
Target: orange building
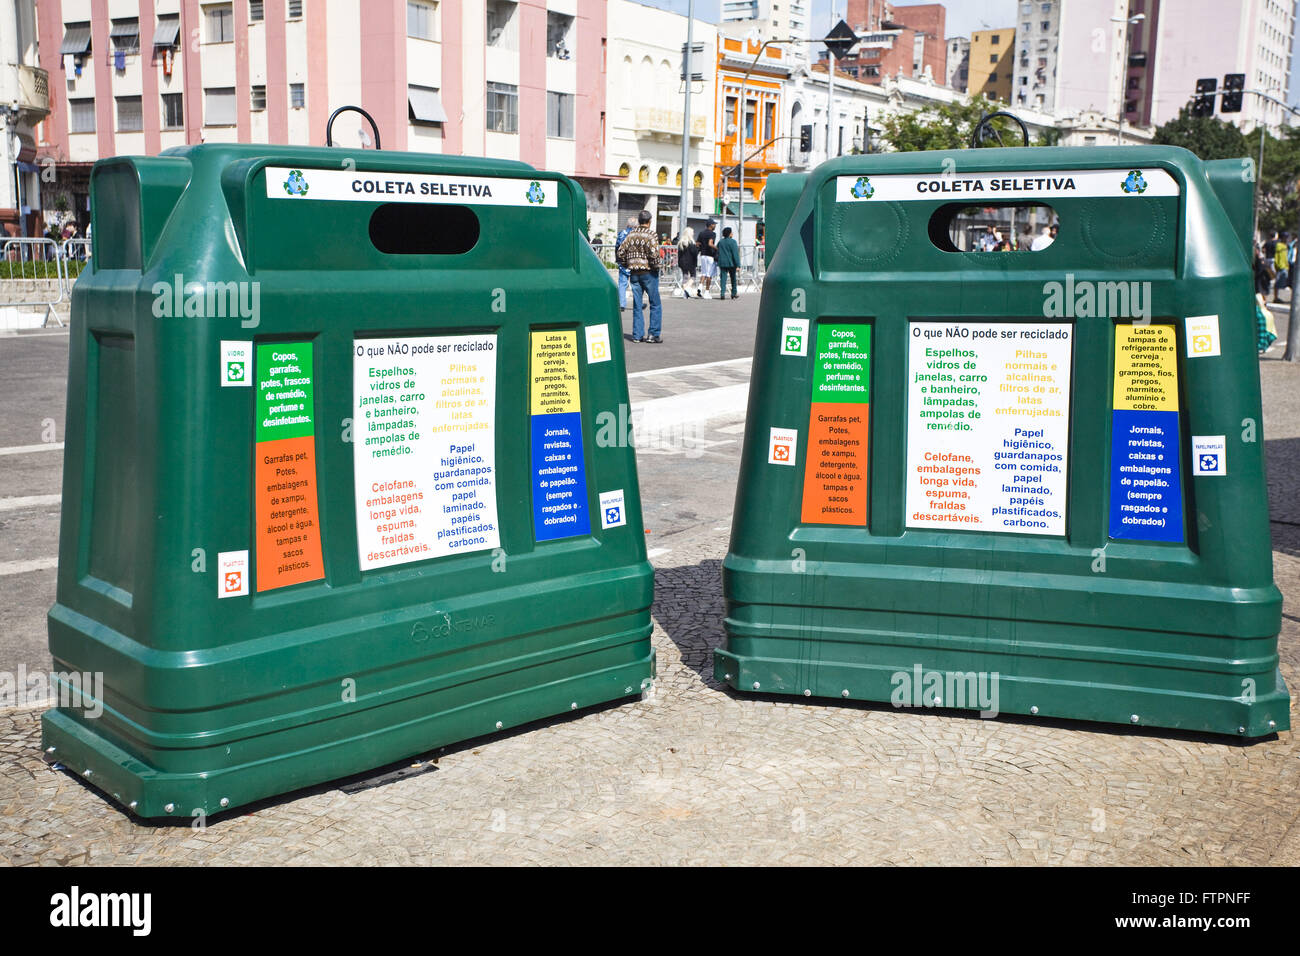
749	123
992	63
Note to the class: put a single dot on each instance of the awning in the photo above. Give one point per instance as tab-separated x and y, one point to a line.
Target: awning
128	28
753	210
76	41
426	105
167	31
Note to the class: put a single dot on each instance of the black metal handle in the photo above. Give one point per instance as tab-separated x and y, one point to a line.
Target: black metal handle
983	128
329	126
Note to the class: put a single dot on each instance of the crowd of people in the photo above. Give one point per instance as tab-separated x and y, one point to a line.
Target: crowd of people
700	260
992	240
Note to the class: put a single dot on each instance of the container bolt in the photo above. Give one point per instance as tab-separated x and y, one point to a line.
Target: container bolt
938	702
573	706
755	685
225	801
1241	730
169	808
499	725
1272	725
845	692
726	677
1133	719
89	772
807	693
133	804
1034	709
49	750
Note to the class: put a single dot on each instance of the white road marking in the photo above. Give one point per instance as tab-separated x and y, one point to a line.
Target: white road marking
29	501
688	368
656	552
23	567
26	449
658	414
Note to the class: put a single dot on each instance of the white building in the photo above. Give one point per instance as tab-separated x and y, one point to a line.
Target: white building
770	19
24	102
1038	27
643	133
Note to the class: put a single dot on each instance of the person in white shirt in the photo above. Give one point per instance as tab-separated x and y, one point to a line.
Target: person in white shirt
1043	239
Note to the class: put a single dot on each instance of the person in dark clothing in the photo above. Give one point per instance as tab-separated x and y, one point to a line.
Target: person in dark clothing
728	263
688	255
1263	271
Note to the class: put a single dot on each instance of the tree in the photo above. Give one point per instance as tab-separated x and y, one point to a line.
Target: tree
1276	200
1206	136
943	126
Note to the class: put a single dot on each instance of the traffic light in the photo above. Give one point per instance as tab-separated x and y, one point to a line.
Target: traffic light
805	138
1233	84
1203	105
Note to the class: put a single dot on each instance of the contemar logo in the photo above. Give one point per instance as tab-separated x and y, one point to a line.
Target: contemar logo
296	184
535	194
863	189
1134	183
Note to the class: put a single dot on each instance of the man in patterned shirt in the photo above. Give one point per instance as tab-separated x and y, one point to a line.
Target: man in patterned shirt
639	254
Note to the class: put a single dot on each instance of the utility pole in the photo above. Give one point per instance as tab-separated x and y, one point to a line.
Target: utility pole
688	64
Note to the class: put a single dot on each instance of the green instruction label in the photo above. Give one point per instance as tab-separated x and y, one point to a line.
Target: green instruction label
842	370
284	391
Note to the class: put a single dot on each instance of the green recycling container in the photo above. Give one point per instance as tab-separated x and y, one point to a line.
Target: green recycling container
1028	481
333	493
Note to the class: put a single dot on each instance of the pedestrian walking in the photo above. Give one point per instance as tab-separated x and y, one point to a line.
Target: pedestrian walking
1280	265
708	258
622	272
1263	270
639	253
688	262
728	263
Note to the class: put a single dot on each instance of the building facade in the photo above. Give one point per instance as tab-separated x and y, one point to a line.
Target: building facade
957	74
1037	39
897	41
643	136
992	61
24	102
516	80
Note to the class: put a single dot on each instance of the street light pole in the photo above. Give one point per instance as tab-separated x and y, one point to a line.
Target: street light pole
1123	83
688	69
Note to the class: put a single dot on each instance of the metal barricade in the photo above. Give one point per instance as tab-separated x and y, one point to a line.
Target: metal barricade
75	254
32	276
752	268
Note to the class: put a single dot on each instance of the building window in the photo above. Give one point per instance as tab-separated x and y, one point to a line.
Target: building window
769	121
559	115
502	107
76	39
173	114
125	35
643	174
256	11
624	170
258	98
420	20
167	33
130	114
81	115
501	25
219	20
559	35
993	58
730	113
995	39
295	9
424	105
751	108
297	96
662	177
219	106
993	77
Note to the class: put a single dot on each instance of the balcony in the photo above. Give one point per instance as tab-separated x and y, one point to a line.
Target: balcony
667	124
770	157
34	92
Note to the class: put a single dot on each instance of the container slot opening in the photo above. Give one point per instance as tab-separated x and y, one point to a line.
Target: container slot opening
423	229
997	227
